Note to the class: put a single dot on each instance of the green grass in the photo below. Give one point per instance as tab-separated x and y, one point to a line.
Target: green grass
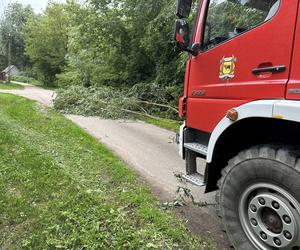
29	80
25	79
61	189
164	123
8	86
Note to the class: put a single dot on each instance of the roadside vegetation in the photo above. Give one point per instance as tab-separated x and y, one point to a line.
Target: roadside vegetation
124	46
63	190
32	81
143	102
8	86
168	124
26	79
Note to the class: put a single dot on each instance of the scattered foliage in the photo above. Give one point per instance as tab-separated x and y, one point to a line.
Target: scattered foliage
184	196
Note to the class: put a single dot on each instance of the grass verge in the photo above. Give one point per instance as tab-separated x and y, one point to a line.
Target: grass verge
164	123
61	189
8	86
37	85
32	81
25	79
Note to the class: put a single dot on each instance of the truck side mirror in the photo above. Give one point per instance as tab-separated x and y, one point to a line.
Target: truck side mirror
182	33
183	8
182	37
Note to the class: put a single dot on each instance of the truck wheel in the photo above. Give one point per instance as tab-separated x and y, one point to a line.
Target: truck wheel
259	199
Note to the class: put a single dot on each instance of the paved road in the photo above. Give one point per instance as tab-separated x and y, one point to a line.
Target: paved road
40	95
152	152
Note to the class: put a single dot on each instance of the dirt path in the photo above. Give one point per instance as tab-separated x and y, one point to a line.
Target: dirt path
151	151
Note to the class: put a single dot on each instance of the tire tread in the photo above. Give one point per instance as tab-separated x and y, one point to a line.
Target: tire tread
288	155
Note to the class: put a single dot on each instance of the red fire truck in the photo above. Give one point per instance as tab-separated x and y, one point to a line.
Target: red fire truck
241	107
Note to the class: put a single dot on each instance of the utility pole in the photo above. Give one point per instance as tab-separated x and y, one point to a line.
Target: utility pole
9	57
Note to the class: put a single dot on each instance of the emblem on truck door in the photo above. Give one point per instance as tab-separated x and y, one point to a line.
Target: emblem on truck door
227	68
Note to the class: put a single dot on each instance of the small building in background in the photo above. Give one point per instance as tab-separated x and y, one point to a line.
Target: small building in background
11	70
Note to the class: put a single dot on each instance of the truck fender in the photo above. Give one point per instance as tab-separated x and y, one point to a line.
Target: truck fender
255	109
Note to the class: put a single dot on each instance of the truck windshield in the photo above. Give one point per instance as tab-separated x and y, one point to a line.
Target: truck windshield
229	18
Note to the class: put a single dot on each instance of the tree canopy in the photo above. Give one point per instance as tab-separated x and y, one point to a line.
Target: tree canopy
101	42
12	29
109	44
46	41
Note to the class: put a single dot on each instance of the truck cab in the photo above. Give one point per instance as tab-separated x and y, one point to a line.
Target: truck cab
241	111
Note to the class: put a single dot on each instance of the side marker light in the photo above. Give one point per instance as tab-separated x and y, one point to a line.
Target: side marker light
232	115
278	116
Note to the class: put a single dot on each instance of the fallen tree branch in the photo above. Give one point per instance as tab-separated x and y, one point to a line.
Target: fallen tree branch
159	105
145	112
142	114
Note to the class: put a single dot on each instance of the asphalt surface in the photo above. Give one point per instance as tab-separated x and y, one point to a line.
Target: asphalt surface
35	93
153	153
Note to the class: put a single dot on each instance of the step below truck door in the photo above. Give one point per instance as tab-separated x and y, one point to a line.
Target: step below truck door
246	55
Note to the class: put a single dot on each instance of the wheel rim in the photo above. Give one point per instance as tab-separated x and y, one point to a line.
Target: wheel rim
270	217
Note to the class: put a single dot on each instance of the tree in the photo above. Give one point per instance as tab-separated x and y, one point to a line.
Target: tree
124	42
12	29
46	41
107	42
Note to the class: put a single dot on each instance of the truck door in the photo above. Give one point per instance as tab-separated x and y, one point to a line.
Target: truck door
293	86
246	49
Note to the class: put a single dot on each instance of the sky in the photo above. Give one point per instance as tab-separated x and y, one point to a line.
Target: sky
37	5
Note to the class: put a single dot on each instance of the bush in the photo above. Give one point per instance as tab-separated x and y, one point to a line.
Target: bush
25	79
68	78
150	92
156	94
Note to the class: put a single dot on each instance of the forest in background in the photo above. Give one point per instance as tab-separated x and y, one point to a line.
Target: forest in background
112	58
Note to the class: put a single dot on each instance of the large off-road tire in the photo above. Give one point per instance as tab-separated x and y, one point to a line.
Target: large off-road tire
259	199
